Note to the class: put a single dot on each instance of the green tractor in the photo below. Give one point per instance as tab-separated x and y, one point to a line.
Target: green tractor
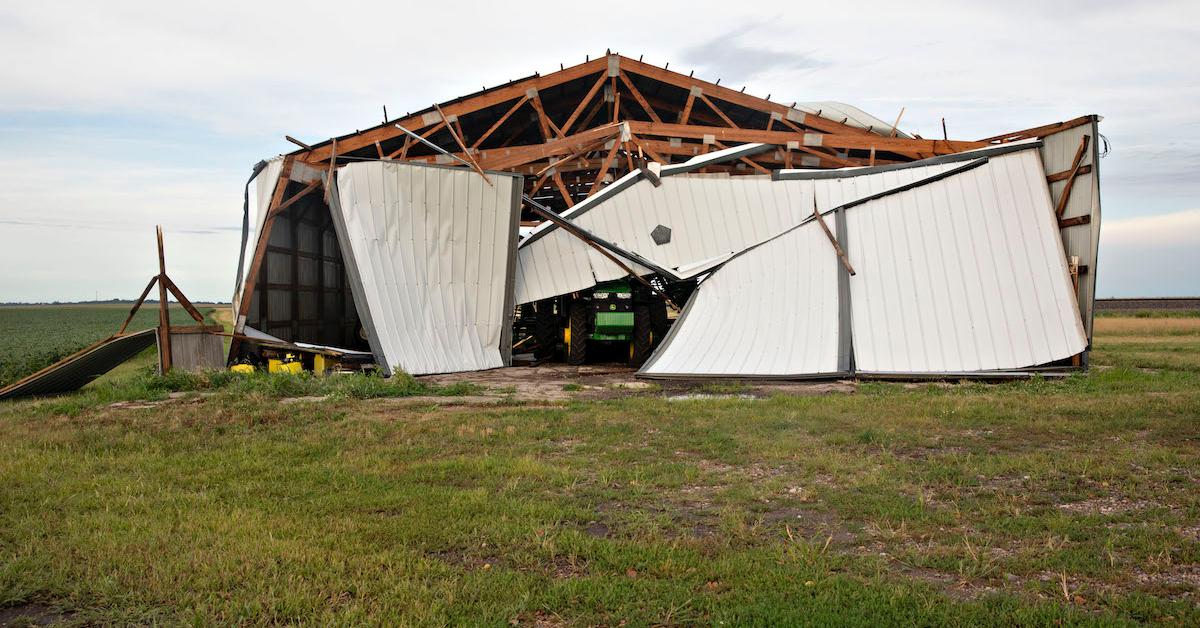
617	314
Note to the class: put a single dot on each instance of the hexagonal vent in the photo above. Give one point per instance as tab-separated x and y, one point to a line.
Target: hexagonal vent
661	235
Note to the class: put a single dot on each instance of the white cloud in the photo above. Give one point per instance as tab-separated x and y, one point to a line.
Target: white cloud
243	74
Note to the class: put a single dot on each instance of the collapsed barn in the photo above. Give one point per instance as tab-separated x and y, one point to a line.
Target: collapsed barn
694	228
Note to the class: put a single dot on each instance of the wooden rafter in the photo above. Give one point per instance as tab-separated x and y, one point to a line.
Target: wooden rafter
637	95
296	197
462	107
608	159
687	108
547	125
492	129
717	110
1040	131
562	188
828	140
566	127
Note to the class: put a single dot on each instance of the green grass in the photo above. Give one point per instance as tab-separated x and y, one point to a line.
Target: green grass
36	336
1040	502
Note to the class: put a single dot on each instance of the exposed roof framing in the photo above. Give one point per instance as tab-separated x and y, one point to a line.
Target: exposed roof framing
573	130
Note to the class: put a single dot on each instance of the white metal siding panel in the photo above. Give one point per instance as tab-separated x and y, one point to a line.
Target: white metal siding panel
963	274
708	216
1058	151
558	263
261	190
772	311
431	246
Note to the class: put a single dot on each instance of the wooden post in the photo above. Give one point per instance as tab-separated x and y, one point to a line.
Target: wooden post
164	316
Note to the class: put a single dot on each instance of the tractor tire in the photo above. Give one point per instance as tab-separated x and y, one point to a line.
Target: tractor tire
546	330
643	335
578	330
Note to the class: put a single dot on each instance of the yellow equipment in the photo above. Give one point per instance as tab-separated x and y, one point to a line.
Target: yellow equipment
289	364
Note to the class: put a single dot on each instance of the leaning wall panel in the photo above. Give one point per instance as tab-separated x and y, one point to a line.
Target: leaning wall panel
965	274
431	247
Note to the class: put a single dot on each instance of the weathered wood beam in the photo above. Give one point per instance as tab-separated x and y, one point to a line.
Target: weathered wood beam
164	311
1063	223
1040	131
137	304
837	247
183	300
812	140
1065	174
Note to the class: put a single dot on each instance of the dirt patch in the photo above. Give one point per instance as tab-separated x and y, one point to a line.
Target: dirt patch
563	567
1106	506
596	529
553	382
562	382
32	614
811	523
539	619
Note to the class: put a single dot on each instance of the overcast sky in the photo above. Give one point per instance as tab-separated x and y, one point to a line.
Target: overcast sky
115	116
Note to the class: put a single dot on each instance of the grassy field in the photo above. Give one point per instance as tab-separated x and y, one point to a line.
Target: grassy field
1031	503
35	336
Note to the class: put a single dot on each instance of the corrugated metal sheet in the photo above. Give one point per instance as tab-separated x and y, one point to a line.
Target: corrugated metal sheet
849	115
958	271
963	274
710	216
431	250
76	371
771	311
261	189
1058	151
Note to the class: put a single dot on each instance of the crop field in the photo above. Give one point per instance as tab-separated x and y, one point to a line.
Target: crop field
224	499
35	336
